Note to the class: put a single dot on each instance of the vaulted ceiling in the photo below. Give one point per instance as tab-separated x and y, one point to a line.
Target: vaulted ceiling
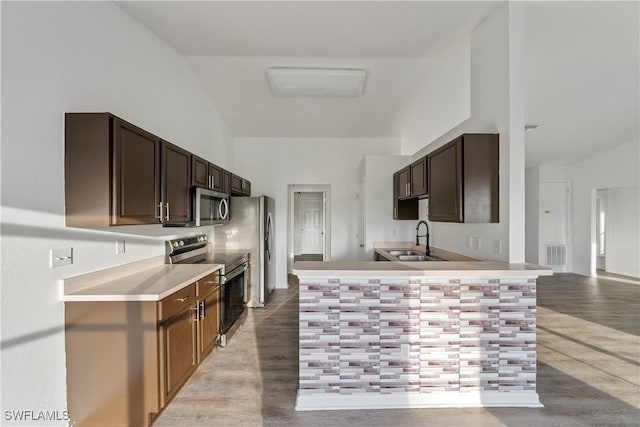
582	61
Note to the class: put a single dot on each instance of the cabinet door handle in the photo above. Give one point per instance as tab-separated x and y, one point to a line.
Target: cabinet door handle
197	312
202	305
409	192
167	206
210	282
159	212
183	299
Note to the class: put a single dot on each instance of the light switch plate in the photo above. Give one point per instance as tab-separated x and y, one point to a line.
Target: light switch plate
120	247
60	257
497	246
476	243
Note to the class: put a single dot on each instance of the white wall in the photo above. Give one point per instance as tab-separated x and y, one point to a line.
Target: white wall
497	106
532	206
60	57
623	232
445	76
618	167
273	163
615	168
379	222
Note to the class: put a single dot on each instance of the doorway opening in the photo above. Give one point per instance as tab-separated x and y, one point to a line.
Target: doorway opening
615	231
309	223
602	206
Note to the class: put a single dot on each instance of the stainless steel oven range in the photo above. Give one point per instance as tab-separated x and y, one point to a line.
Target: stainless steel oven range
233	280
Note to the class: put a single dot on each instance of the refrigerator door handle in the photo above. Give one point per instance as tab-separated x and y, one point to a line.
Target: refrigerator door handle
267	238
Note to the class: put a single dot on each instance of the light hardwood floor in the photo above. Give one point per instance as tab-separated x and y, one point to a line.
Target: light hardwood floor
588	368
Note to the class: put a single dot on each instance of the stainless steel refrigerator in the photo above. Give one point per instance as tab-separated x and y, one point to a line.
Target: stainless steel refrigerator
252	227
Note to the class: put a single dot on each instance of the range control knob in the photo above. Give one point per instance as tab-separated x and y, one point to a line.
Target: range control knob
181	243
175	244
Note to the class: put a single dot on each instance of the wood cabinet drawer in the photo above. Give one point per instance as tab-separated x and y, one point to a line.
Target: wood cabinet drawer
177	302
207	283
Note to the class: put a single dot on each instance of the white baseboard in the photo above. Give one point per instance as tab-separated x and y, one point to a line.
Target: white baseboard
331	401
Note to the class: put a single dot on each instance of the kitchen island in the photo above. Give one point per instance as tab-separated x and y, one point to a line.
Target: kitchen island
417	334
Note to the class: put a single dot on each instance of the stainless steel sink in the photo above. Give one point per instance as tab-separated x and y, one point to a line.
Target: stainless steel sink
411	255
406	252
418	258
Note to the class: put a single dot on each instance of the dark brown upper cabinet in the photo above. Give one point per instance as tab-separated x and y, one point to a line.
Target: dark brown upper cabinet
112	172
411	180
206	175
463	180
403	183
119	174
418	184
216	177
226	182
240	186
199	172
136	154
403	208
176	184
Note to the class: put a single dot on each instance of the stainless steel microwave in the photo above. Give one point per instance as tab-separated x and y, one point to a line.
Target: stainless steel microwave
210	207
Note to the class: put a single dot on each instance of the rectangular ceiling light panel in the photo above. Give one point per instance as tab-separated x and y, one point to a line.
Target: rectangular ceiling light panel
285	81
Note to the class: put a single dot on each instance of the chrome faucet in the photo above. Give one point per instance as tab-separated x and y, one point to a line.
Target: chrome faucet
428	249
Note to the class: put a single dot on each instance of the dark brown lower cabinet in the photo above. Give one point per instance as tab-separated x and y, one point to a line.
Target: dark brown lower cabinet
178	348
112	356
127	359
209	322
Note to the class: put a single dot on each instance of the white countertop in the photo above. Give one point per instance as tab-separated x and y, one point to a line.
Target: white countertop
440	269
150	284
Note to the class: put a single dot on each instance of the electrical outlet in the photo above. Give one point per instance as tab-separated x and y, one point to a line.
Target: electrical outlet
476	243
120	247
404	351
60	257
469	241
497	246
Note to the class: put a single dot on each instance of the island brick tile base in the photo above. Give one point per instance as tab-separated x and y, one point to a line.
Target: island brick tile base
389	336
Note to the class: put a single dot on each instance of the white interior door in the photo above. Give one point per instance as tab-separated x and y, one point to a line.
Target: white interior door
312	223
554	229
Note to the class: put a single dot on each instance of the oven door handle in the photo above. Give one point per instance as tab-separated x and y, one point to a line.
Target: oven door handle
235	273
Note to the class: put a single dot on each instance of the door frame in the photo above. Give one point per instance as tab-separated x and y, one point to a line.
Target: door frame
325	189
